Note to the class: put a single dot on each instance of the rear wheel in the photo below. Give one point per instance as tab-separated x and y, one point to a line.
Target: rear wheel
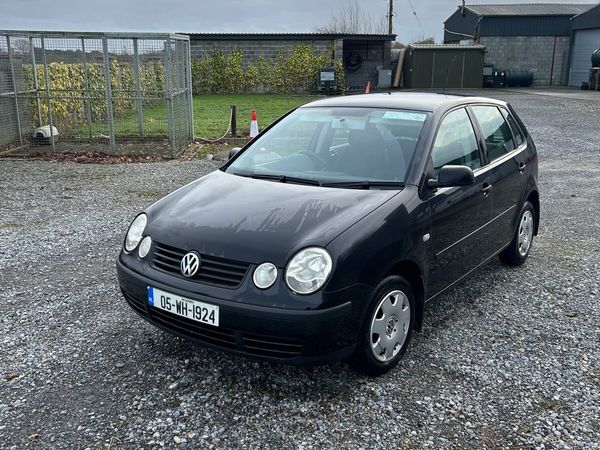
518	250
387	328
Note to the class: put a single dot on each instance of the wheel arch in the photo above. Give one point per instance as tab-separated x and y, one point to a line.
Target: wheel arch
413	273
534	199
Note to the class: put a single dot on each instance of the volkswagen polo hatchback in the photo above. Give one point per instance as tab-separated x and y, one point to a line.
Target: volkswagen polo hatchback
324	237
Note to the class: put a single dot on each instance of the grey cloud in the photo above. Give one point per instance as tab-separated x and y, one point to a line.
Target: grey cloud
250	16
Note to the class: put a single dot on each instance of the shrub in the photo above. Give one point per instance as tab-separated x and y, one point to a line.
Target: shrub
292	71
67	85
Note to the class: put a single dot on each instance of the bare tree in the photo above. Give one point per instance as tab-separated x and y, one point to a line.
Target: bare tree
423	40
20	45
352	19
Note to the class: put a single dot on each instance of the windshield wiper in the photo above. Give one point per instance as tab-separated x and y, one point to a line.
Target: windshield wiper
280	178
365	184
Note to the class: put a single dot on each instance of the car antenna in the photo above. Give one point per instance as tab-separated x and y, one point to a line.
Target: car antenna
448	74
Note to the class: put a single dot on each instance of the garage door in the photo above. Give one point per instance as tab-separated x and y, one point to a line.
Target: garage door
585	42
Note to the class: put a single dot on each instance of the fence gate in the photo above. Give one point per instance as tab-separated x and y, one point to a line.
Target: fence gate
119	93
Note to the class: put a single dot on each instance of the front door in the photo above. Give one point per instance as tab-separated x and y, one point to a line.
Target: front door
459	215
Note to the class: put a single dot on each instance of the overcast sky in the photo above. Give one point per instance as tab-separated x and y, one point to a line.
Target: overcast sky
244	16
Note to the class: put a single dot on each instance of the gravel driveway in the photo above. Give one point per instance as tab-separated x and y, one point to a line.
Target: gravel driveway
510	359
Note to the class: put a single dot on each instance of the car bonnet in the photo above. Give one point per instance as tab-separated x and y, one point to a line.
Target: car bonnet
253	220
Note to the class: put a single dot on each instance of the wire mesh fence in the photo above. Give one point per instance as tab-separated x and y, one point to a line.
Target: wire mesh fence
107	92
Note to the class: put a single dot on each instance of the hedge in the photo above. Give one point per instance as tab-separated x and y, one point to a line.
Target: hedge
294	71
67	86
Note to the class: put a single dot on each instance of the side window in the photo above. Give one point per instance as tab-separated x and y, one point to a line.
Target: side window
519	139
455	143
496	133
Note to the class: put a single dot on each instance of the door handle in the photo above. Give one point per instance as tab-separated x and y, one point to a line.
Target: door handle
485	190
522	166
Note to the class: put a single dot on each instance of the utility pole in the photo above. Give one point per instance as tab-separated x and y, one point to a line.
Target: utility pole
390	17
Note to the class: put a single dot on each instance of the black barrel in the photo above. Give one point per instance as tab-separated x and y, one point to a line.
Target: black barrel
596	58
519	77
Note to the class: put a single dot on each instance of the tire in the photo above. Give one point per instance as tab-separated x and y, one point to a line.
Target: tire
395	295
520	247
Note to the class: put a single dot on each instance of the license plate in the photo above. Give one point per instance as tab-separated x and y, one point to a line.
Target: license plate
184	307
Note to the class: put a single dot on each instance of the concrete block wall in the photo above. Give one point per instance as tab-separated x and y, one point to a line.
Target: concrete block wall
533	53
375	55
253	48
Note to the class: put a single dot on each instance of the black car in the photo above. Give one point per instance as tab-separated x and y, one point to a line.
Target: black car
325	236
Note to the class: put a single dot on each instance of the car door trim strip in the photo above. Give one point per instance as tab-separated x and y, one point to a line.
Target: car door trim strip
475	231
469	272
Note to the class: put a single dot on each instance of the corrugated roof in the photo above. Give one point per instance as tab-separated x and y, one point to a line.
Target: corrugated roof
448	46
531	9
589	9
290	36
587	19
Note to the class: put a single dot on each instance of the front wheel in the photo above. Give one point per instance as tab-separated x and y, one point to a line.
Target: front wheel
387	327
518	250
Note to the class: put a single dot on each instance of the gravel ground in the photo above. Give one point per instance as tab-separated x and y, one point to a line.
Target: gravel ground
511	359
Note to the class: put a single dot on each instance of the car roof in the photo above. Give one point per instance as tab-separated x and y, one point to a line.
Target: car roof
420	101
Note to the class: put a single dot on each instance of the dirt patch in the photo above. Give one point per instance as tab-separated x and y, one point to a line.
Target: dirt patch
92	158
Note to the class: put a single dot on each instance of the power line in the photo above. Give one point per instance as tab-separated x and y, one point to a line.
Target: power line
416	17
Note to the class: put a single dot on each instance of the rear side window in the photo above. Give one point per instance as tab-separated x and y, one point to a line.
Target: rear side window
496	133
519	139
455	143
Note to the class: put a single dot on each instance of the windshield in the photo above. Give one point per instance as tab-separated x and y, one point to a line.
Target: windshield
335	146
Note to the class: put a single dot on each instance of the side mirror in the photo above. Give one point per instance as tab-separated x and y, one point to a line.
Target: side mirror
234	151
450	176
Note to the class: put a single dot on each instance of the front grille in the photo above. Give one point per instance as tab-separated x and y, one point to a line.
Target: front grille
253	344
270	346
213	270
136	304
222	337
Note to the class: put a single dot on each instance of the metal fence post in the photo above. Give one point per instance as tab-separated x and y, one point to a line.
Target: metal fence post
109	107
35	82
138	87
190	93
169	79
86	87
14	85
47	80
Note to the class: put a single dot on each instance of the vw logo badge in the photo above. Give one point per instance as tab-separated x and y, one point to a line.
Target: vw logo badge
190	264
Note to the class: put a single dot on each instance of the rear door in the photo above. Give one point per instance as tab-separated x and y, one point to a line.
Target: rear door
506	156
459	215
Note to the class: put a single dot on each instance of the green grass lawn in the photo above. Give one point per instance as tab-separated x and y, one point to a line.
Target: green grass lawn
211	114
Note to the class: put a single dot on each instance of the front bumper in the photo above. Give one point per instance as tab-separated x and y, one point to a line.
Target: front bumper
300	337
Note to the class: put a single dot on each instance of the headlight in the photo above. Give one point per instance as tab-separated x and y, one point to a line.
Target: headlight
308	270
136	230
264	275
144	246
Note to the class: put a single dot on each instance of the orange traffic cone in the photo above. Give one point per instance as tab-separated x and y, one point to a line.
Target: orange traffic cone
368	88
253	126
